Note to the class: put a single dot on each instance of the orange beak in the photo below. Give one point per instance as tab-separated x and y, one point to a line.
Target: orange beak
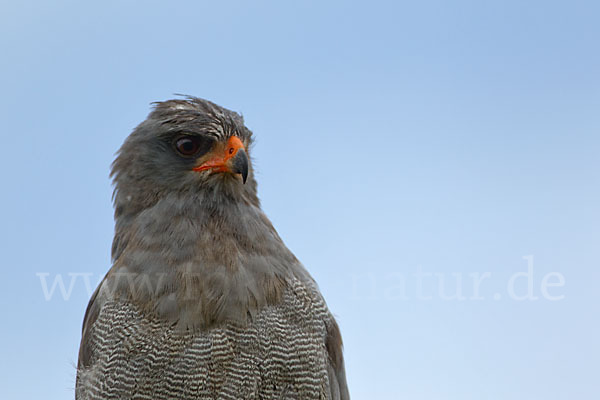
232	159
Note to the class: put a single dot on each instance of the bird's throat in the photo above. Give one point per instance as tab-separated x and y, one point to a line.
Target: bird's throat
201	260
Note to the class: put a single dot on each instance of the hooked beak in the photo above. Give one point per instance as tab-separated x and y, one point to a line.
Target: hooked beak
239	164
232	159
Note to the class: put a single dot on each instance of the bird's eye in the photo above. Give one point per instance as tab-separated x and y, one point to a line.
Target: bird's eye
188	145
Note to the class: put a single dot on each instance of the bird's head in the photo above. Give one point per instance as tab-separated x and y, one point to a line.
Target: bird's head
188	146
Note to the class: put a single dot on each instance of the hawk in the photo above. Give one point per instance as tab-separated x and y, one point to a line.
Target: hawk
203	299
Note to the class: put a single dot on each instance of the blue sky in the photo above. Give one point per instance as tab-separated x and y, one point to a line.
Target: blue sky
405	151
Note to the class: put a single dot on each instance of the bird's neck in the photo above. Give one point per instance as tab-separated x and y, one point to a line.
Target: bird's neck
223	253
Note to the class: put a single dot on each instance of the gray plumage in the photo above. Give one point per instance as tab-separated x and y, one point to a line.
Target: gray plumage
203	300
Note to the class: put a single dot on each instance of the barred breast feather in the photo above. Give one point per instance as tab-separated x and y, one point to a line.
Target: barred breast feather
285	351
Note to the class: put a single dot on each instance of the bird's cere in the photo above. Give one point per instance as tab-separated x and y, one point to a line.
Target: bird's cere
232	158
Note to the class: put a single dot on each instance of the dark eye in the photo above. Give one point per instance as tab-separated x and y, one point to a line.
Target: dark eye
189	145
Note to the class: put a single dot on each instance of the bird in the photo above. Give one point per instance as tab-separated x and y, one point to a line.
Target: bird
203	299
